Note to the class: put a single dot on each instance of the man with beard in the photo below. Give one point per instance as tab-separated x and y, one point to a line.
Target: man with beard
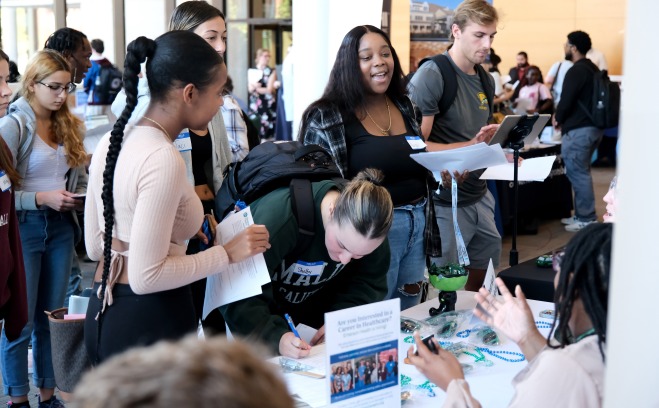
519	71
580	136
464	123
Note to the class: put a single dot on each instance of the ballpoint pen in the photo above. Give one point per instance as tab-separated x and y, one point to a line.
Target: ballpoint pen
292	326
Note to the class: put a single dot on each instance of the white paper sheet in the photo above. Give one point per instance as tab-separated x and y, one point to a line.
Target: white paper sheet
491	286
536	169
470	158
240	280
306	332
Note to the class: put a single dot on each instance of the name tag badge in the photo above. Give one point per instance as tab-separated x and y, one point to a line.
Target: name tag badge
5	183
415	142
183	142
309	268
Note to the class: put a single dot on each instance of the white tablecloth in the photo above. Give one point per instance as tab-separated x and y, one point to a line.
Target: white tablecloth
490	385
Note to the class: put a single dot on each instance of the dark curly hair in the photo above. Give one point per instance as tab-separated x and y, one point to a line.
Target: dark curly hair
344	89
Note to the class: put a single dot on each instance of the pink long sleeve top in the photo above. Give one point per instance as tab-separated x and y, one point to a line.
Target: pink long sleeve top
156	212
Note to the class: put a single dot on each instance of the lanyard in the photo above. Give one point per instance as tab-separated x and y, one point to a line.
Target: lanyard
463	257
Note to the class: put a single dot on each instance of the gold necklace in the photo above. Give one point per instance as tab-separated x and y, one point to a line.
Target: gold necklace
385	132
159	125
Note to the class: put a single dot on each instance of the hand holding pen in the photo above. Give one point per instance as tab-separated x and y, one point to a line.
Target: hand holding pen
290	344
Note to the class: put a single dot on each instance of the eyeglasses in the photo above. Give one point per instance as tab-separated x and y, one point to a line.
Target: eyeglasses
57	89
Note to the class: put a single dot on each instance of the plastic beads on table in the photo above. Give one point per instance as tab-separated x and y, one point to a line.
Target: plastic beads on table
542	325
500	355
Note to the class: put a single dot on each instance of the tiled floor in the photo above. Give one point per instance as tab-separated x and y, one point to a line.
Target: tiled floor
551	234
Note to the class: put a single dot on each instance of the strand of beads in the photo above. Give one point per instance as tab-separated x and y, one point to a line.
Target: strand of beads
500	355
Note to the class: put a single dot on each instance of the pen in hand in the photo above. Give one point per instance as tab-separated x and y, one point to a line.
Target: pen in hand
291	344
292	326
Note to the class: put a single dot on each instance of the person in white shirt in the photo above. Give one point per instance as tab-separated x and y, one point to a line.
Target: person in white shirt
598	58
572	361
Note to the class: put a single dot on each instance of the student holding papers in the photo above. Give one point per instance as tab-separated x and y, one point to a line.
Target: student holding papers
463	123
571	359
344	266
140	208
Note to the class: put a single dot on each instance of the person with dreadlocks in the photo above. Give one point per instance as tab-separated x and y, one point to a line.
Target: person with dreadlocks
572	360
141	211
75	47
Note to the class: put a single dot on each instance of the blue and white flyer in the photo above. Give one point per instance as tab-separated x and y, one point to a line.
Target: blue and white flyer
362	355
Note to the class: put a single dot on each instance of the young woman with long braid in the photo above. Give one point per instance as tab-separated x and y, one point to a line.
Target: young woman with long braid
211	145
45	141
573	362
140	209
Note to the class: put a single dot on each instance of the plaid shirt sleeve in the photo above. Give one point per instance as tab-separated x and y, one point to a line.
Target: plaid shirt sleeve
324	127
236	129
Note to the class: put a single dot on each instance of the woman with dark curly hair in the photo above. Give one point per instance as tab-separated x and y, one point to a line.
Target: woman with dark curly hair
365	119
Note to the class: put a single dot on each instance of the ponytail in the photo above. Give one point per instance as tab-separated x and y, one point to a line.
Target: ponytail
138	51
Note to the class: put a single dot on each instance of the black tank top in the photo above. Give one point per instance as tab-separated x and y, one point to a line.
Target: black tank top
404	178
202	149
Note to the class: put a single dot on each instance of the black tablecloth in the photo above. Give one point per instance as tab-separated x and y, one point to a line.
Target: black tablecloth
537	283
550	199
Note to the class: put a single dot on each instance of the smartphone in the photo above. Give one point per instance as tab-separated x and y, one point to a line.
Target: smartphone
429	343
79	196
205	228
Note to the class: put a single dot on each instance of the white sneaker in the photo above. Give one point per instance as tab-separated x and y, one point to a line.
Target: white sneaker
569	221
577	225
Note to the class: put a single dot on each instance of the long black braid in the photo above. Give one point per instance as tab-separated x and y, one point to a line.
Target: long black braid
138	51
585	275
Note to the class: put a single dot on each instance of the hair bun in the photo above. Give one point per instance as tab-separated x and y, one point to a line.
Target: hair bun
371	175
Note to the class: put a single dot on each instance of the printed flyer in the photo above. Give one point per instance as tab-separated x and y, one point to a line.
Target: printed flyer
362	355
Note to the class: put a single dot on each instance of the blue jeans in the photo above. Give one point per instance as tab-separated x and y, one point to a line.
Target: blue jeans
47	239
577	150
408	257
75	279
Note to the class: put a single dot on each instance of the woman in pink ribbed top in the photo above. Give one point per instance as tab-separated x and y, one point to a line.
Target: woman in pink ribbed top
140	209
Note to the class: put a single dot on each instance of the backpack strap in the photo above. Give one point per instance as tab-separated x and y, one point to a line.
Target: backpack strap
304	212
558	71
595	71
488	87
451	83
22	147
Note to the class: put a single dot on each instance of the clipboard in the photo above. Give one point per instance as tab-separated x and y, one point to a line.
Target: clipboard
528	125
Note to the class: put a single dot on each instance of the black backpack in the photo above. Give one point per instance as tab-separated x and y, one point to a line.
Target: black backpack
605	110
451	83
274	165
108	85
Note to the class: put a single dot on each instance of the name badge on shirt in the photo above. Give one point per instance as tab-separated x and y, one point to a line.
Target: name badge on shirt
5	183
308	268
415	142
183	142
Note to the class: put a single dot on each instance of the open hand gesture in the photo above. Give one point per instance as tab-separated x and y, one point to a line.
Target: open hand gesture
512	316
